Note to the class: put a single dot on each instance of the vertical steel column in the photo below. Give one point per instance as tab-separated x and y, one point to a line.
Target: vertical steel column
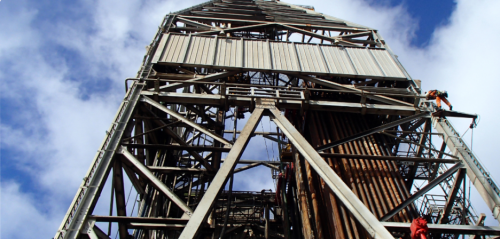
206	203
266	230
343	192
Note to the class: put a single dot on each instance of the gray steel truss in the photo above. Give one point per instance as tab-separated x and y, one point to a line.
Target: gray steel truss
353	136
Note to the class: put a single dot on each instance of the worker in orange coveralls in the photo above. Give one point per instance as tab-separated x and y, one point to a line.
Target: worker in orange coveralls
438	96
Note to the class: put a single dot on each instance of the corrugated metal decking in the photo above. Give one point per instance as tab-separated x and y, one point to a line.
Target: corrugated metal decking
231	53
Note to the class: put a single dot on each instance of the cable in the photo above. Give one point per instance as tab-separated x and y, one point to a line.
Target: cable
268	158
126	202
265	142
465	132
471	138
135	202
271	129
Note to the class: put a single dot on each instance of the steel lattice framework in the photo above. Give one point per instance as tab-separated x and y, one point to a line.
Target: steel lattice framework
353	133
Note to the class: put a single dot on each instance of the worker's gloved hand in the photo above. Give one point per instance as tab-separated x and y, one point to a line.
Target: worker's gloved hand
451	107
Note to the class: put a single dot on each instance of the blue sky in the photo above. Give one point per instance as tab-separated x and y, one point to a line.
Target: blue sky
63	65
429	15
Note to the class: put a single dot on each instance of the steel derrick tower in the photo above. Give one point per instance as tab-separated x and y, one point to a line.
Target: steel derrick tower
354	134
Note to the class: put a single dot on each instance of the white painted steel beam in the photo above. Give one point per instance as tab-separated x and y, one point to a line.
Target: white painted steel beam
485	185
218	100
341	190
206	203
143	170
176	169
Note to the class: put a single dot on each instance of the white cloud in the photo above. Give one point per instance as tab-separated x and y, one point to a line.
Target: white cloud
54	130
62	129
21	210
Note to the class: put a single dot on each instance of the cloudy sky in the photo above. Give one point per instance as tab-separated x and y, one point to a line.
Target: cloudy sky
63	65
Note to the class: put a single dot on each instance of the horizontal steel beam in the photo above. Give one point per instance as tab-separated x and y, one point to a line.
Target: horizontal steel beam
151	226
319	105
391	158
445	228
243	161
176	170
446	113
98	218
177	147
479	222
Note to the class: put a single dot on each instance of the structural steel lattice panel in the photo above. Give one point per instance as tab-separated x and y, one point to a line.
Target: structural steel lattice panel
354	137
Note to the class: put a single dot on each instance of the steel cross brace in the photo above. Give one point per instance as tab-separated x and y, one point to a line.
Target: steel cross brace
220	179
341	190
143	170
184	120
421	192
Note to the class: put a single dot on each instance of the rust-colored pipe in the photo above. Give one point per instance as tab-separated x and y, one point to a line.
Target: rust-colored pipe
302	197
334	215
